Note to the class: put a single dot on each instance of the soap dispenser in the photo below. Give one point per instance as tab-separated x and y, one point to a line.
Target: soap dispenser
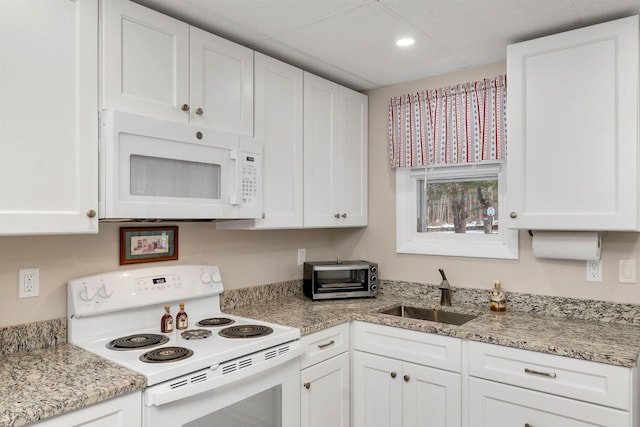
498	297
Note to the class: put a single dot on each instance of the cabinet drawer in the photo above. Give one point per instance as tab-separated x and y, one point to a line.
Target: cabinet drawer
498	405
418	347
324	344
579	379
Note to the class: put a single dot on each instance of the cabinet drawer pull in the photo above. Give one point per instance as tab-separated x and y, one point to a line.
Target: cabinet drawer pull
307	385
407	378
332	342
544	374
393	374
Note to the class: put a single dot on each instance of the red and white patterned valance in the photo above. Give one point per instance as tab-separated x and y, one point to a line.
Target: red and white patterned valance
465	123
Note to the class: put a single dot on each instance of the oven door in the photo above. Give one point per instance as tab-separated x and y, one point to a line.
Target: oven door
254	398
155	169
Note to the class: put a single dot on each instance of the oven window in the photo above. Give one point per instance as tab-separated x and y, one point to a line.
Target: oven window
260	410
155	176
342	280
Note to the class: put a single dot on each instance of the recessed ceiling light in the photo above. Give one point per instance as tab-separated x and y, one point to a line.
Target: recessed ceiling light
405	42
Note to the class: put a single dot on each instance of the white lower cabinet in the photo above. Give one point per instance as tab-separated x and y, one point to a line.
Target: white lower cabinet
123	411
499	405
325	378
392	384
513	387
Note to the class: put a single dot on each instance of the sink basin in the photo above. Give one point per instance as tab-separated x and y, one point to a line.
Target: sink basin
432	315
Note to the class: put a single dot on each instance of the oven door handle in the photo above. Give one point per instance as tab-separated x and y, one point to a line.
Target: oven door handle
213	377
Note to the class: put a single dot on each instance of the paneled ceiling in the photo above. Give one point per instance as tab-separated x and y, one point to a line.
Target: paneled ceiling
353	41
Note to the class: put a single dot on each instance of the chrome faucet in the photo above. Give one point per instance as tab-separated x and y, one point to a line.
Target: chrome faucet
445	289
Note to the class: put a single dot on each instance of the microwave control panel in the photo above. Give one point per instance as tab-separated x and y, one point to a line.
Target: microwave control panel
250	179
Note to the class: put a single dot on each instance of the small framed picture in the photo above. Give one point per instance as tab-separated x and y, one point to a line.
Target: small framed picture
148	244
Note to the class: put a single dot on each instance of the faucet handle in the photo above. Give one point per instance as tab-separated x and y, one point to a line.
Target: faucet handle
442	274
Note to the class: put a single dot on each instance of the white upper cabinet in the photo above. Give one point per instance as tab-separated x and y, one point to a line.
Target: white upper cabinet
160	67
221	83
278	125
335	154
573	129
48	117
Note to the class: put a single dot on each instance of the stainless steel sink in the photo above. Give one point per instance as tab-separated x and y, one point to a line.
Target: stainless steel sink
433	315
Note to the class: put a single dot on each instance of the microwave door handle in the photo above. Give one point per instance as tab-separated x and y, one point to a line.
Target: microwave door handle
235	196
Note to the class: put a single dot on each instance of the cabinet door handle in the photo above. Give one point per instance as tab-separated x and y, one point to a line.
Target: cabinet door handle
393	374
91	213
307	385
332	342
544	374
199	111
185	107
407	378
528	425
337	216
344	215
513	215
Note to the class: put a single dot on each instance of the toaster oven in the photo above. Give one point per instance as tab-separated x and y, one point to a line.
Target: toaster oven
340	279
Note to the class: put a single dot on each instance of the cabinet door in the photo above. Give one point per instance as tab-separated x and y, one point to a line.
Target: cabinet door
498	405
377	391
430	397
123	411
278	120
221	80
325	393
353	158
573	129
48	76
145	61
321	137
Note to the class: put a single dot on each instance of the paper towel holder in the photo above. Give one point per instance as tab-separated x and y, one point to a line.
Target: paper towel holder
567	244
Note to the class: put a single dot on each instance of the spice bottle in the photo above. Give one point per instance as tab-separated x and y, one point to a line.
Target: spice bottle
498	298
166	323
182	320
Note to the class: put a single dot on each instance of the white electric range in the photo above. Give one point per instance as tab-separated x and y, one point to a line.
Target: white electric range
221	370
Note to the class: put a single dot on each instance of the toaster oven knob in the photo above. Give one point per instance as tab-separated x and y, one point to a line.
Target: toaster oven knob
373	277
374	269
374	288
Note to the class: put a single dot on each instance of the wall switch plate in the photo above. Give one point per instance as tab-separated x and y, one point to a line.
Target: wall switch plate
627	271
28	282
594	271
301	256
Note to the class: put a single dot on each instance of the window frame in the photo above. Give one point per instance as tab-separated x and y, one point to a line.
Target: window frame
503	245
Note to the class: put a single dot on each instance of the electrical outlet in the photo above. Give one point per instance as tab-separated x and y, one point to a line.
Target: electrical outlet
301	256
28	282
594	271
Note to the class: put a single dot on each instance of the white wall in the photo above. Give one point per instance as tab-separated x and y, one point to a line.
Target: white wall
246	258
528	274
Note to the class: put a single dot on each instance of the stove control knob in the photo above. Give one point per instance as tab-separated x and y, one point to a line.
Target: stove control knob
105	291
87	294
205	277
216	277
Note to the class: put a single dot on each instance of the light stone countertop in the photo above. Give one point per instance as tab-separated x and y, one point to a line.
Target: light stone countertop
604	342
44	382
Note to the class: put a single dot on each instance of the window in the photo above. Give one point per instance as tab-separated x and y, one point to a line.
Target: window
457	212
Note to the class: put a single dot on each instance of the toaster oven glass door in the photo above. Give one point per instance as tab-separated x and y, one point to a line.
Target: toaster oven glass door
347	280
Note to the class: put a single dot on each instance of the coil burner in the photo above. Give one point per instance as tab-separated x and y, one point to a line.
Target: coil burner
245	331
166	354
137	342
196	334
216	321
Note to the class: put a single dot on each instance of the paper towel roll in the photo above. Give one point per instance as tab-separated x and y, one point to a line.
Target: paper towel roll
582	245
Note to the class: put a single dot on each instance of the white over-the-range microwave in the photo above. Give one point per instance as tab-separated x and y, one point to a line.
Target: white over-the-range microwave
163	170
